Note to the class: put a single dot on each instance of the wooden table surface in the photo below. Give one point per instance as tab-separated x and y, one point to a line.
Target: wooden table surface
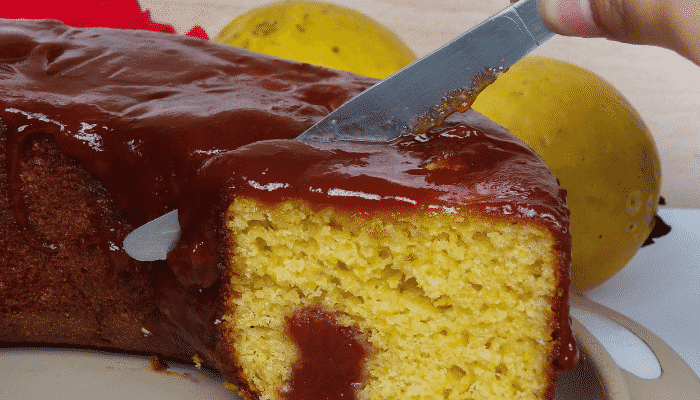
661	85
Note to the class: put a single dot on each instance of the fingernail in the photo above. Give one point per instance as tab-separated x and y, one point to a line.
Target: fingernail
570	17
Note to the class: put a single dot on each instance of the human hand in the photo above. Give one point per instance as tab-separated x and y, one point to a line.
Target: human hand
673	24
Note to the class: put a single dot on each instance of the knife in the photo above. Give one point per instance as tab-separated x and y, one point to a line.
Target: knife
411	101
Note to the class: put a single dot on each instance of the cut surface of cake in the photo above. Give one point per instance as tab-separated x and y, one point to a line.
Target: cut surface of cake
430	267
416	306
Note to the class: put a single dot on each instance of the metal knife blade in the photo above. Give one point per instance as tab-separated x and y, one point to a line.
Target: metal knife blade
153	240
400	103
409	101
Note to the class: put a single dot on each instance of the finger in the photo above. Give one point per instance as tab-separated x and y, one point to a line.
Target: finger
570	17
674	24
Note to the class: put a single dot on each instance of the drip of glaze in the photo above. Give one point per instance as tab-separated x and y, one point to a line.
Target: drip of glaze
331	361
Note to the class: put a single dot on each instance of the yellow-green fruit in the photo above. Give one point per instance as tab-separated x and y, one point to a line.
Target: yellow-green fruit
322	34
599	148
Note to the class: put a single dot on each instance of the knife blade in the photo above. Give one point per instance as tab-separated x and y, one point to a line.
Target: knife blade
153	240
423	93
411	101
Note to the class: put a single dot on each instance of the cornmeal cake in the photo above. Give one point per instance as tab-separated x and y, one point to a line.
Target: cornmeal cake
431	267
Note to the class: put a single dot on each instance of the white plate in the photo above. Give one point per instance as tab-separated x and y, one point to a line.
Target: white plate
61	374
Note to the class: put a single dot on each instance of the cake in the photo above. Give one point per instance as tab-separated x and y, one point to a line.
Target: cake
430	267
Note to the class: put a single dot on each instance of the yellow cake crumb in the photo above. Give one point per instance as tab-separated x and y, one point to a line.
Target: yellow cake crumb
453	306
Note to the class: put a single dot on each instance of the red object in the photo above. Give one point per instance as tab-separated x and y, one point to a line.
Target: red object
122	14
198	32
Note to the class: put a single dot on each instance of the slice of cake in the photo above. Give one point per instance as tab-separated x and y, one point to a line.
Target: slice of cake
426	269
432	267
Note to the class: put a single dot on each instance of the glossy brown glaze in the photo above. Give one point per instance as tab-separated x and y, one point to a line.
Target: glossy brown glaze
168	122
460	99
139	115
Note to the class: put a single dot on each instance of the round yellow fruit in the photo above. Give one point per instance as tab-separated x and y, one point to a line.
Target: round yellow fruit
322	34
597	145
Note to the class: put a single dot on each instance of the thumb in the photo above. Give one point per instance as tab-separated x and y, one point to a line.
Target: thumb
674	24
